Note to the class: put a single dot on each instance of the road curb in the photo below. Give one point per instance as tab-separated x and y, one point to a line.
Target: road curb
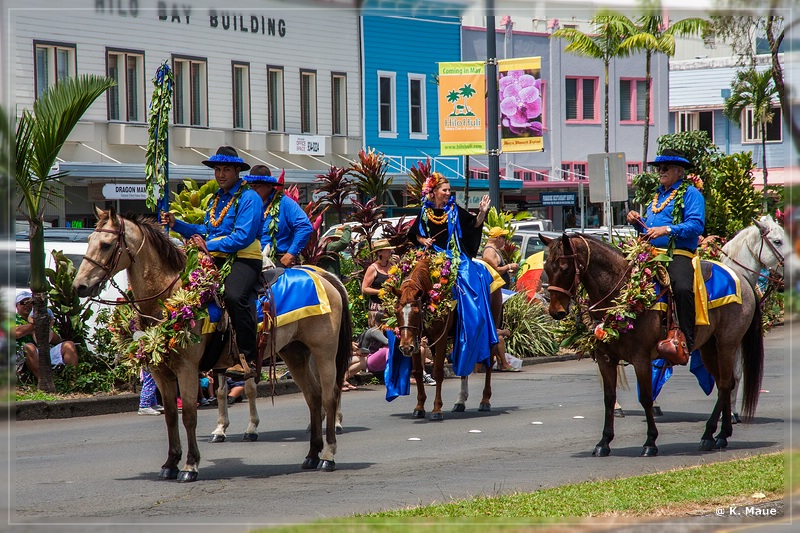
129	402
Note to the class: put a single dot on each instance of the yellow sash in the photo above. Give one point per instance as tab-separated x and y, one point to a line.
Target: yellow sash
700	293
497	281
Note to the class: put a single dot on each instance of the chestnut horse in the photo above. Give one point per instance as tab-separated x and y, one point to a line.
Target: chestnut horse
601	269
316	349
410	312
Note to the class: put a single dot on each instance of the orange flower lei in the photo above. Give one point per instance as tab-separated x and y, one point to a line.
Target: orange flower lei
441	219
222	214
658	208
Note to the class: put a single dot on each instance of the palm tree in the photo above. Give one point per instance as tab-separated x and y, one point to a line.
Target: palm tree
653	36
452	97
39	137
604	44
755	90
467	92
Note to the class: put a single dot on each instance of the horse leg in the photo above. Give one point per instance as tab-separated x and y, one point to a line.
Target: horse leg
189	384
737	378
486	404
218	435
331	403
251	433
722	369
438	375
644	377
463	394
169	392
299	365
608	372
417	368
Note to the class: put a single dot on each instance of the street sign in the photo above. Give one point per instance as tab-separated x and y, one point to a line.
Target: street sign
617	175
126	191
559	198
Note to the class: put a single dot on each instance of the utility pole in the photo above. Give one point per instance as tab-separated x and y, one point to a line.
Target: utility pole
491	112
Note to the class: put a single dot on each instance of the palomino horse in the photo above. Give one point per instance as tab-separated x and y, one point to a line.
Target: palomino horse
410	310
754	248
601	269
316	349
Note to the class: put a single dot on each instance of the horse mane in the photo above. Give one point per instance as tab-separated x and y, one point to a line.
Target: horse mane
740	240
610	248
172	257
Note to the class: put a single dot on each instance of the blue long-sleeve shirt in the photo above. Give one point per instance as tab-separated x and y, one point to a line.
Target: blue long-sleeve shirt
239	229
294	228
694	218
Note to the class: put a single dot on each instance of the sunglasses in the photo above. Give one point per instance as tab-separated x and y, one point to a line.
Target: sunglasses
662	168
25	302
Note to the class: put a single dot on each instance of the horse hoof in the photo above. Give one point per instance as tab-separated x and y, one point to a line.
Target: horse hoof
706	445
418	413
168	473
657	411
187	476
485	407
250	437
601	451
329	466
459	408
649	451
437	416
339	430
720	443
735	418
217	438
311	463
618	413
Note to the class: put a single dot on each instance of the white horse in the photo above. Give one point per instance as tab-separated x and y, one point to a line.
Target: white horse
752	250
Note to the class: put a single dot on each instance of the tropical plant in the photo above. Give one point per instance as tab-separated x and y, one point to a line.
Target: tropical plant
190	203
70	314
652	36
418	173
40	134
155	167
756	91
370	175
532	333
605	44
368	216
335	187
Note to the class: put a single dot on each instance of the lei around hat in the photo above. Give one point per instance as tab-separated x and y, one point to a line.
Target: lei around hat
226	155
260	174
672	157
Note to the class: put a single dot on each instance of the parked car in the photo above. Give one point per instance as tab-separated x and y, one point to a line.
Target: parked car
529	242
377	235
533	224
59	235
618	232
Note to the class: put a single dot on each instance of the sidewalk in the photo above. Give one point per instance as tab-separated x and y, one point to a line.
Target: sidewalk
129	402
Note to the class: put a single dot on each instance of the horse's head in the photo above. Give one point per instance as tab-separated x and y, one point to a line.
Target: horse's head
563	272
773	239
108	253
410	305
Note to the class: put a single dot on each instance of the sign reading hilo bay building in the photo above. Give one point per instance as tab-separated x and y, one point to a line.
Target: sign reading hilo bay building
462	108
520	98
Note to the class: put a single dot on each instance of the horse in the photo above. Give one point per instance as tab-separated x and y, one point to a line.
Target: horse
409	311
316	349
602	268
755	248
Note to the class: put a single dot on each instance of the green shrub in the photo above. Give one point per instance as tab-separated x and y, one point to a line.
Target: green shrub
532	333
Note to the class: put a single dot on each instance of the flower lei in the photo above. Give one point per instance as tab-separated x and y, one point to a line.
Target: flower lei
155	167
579	332
235	200
151	346
439	299
273	213
449	211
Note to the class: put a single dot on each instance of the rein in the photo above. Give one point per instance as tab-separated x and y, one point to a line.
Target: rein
763	233
579	268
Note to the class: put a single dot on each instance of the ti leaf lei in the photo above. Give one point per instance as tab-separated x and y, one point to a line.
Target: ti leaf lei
583	334
273	213
158	131
151	346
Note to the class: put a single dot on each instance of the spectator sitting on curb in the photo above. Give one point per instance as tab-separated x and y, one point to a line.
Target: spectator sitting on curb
61	352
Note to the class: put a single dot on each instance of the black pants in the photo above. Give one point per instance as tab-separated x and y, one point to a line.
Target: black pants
240	296
681	275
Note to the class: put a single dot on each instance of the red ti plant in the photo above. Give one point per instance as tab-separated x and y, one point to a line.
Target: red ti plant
397	234
418	174
370	174
336	186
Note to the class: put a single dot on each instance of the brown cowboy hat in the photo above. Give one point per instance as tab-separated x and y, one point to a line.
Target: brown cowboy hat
226	155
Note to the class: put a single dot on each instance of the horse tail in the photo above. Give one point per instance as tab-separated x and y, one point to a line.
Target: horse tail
344	348
752	363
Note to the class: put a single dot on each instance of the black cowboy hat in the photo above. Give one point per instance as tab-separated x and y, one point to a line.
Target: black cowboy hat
226	155
672	157
260	174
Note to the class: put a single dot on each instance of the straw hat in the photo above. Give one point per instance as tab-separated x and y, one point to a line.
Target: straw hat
497	231
381	244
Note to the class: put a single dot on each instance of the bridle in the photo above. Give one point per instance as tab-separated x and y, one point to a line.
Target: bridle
578	267
763	234
416	330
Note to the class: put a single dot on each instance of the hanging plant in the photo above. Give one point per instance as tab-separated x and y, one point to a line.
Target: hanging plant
155	167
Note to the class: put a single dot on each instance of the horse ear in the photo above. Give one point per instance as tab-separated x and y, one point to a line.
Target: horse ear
112	213
99	213
759	225
396	291
545	240
566	242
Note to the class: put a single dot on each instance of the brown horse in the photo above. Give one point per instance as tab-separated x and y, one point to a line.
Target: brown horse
410	312
315	349
601	268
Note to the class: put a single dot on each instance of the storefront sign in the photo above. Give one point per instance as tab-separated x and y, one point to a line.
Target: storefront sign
559	198
125	191
307	144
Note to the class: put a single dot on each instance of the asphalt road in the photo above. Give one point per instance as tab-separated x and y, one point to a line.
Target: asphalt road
540	433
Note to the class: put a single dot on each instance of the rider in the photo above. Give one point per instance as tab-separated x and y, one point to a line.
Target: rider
286	228
232	225
439	221
678	231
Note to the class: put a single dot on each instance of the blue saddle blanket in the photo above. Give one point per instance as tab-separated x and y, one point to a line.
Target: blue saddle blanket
298	293
723	287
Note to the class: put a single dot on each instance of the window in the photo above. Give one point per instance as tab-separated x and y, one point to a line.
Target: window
53	63
417	120
695	121
126	98
241	96
573	171
581	99
308	101
386	104
634	169
751	132
275	98
632	94
339	104
533	175
191	92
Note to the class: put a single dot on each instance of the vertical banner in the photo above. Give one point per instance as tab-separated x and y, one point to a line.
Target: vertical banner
462	108
520	97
